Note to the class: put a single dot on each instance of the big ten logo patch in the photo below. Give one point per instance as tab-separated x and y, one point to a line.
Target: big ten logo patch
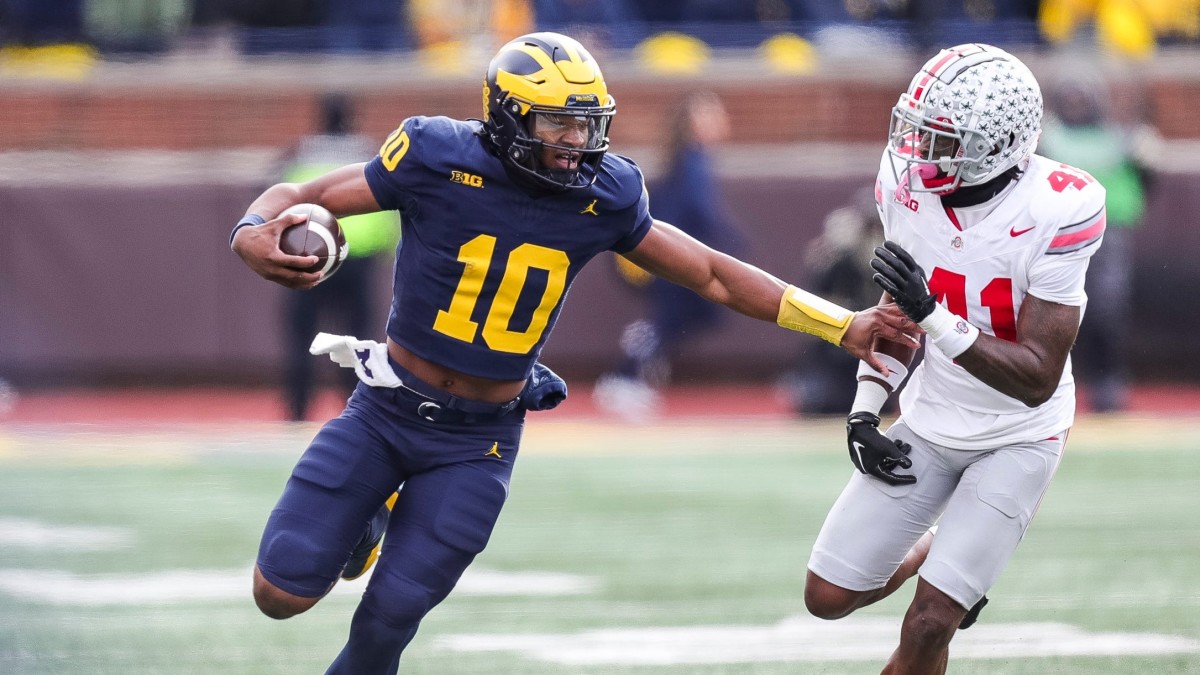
466	178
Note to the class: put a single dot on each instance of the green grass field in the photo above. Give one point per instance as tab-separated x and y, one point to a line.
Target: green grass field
677	548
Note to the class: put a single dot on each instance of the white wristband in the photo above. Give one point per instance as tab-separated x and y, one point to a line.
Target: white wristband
870	397
898	371
949	332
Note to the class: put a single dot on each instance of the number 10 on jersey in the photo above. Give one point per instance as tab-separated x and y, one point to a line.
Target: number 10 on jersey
476	256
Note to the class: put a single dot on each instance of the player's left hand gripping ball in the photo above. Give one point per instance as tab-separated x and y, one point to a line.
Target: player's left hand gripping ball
902	278
875	454
320	235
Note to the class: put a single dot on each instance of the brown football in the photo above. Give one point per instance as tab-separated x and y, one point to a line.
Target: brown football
320	236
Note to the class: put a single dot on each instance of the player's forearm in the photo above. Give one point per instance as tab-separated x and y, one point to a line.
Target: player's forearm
743	288
1012	369
344	191
749	290
1030	368
675	256
278	197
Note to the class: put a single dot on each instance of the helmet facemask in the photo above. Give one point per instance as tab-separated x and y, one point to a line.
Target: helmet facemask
930	149
563	146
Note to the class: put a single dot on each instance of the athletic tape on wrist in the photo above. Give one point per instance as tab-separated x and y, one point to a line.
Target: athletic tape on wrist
870	397
898	370
949	332
802	311
251	220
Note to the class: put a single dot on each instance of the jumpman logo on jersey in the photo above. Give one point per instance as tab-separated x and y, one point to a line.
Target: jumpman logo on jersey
591	208
494	452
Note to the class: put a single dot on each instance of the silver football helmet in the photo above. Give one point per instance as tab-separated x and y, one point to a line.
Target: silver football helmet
971	113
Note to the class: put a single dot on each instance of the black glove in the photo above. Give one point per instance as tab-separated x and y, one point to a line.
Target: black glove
543	390
897	273
875	454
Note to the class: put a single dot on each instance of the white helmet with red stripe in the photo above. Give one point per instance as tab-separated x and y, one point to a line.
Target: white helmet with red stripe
971	113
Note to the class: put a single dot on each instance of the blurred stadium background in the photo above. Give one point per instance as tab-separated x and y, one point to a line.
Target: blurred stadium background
141	432
126	155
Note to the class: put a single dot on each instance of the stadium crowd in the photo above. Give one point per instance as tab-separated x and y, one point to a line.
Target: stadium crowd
1131	27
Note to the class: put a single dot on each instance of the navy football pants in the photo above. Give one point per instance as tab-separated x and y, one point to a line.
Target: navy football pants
454	486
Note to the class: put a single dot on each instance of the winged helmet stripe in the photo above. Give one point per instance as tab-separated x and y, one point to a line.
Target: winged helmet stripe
936	70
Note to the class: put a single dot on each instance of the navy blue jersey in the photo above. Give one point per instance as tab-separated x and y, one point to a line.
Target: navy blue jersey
483	266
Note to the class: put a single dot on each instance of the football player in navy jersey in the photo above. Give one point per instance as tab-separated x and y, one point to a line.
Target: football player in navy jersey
499	217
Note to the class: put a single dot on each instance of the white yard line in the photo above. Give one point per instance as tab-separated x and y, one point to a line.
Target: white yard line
803	638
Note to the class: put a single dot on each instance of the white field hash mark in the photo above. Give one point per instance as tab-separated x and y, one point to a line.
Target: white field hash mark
804	638
32	534
57	587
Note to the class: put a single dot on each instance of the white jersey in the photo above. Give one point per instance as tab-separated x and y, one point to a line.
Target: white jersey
1035	238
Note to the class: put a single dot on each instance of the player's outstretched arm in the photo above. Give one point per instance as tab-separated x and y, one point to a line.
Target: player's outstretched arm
343	191
672	254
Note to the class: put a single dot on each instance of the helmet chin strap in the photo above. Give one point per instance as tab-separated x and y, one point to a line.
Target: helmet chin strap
972	195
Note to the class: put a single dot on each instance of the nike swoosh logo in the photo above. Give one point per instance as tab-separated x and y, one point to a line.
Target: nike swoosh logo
858	448
1014	232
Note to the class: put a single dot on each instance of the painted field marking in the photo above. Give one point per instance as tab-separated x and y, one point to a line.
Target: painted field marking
493	583
806	639
34	534
57	587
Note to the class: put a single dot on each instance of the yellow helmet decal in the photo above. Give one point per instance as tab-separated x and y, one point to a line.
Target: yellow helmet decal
557	82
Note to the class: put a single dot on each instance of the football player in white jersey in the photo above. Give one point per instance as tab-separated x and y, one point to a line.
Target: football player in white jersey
987	247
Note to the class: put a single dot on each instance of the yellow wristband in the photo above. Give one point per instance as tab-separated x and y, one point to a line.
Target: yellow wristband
802	311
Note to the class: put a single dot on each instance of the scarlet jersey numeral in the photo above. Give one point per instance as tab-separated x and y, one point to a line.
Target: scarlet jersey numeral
997	296
1068	176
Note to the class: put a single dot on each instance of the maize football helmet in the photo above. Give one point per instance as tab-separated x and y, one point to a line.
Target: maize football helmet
547	81
971	113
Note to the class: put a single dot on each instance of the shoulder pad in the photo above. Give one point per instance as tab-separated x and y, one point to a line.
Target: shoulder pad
619	183
1069	200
